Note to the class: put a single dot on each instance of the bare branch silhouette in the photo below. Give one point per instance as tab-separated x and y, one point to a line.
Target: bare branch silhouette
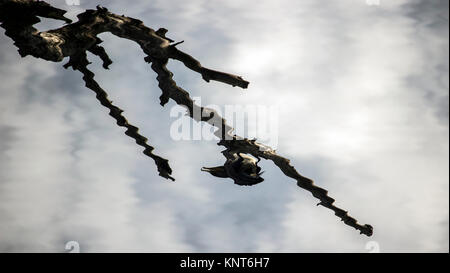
72	40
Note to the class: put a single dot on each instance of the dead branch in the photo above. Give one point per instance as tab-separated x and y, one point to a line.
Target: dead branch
72	40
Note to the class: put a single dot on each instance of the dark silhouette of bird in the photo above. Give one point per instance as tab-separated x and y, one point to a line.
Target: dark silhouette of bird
242	168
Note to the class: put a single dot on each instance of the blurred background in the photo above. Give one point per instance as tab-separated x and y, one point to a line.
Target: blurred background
362	89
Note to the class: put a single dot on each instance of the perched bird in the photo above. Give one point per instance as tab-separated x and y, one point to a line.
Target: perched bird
242	168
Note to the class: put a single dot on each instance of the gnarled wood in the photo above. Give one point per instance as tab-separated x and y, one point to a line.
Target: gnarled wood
17	17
